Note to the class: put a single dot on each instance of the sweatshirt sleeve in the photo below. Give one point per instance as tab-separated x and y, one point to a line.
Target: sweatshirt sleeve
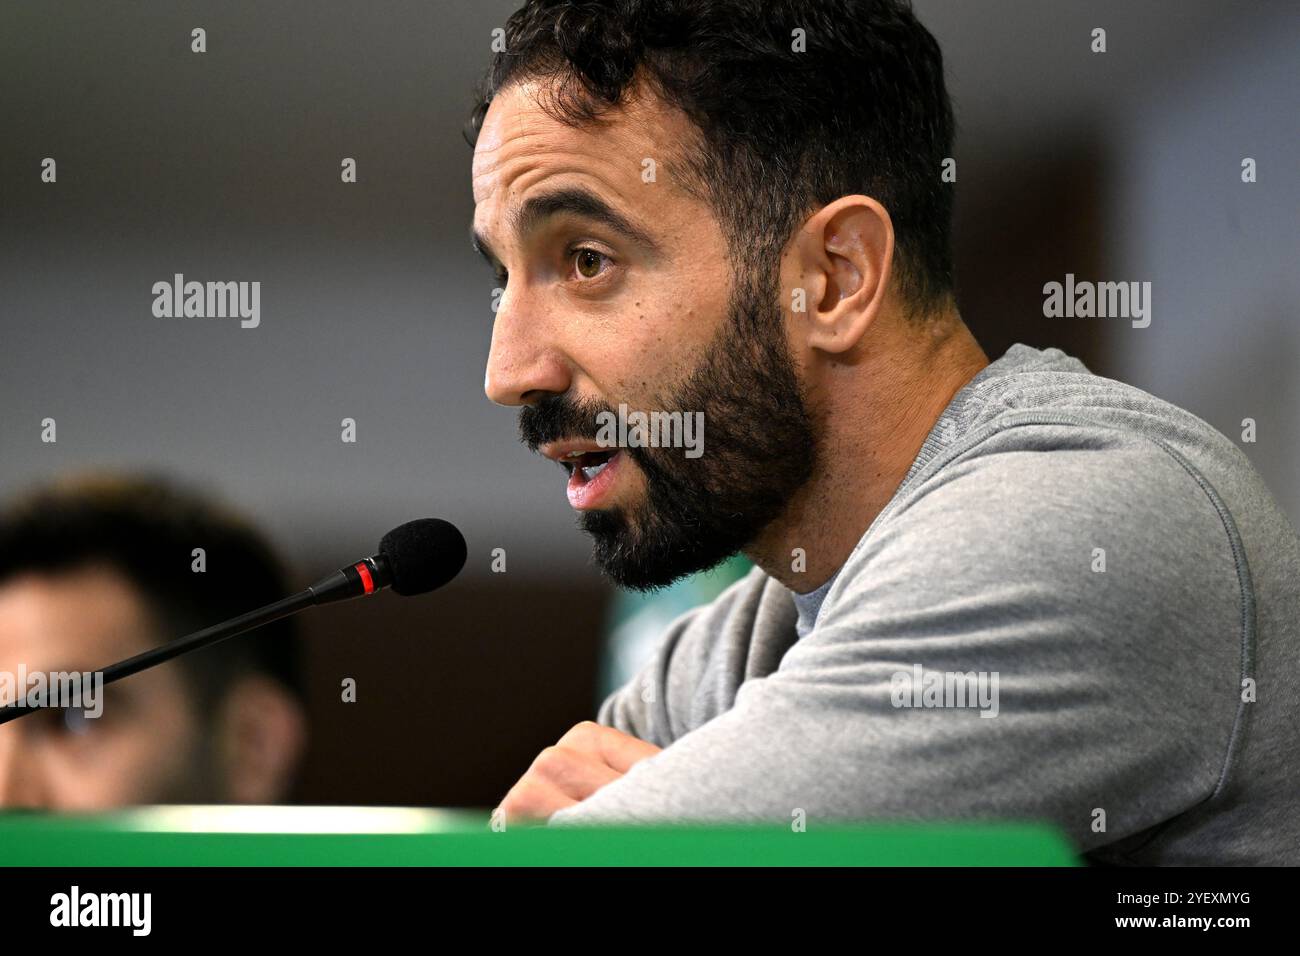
1095	595
674	689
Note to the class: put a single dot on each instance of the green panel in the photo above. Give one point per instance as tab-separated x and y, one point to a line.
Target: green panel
356	837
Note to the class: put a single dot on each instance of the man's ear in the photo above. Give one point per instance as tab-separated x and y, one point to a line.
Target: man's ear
261	735
841	258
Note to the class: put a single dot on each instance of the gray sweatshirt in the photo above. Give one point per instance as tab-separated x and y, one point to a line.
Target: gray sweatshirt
1082	606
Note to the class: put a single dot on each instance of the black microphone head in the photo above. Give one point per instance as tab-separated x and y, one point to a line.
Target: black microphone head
423	554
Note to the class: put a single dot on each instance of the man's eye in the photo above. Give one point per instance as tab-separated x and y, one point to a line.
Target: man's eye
589	262
502	276
62	721
76	721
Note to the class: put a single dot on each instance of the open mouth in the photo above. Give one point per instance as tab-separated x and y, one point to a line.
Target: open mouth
588	463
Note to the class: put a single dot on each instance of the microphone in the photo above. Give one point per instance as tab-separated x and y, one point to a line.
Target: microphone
414	558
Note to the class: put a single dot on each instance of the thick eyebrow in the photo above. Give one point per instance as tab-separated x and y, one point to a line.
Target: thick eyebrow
583	204
573	201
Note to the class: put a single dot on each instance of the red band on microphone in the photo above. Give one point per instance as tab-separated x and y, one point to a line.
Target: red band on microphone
366	579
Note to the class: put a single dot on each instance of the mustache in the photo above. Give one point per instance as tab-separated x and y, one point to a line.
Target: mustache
557	417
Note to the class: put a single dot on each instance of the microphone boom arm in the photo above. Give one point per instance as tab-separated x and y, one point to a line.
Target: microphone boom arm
364	577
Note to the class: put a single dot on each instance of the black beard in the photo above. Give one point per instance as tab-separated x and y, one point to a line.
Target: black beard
759	449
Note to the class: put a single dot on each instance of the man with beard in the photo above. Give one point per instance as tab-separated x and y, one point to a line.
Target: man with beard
690	212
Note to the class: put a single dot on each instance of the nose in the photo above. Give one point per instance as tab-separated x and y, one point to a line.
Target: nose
19	784
525	364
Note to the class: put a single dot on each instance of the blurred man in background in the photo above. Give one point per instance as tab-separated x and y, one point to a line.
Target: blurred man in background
97	569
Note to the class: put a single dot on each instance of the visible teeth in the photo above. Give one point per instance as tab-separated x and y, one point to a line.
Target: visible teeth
593	470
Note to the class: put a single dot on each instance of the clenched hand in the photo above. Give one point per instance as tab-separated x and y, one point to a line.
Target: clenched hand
584	760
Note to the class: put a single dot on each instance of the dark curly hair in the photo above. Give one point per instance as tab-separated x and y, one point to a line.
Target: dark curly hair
863	109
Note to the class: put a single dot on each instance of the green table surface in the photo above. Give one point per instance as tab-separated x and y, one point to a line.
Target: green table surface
398	836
